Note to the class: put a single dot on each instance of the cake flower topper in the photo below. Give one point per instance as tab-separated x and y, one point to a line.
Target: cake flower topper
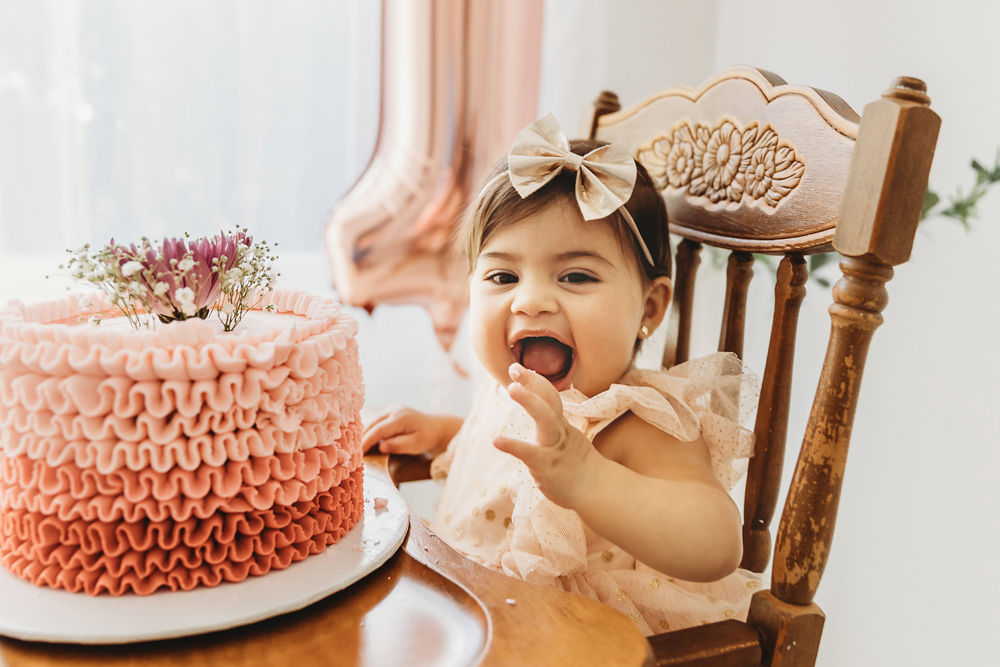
179	279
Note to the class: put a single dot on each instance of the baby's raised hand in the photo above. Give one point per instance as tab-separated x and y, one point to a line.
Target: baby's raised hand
403	430
562	459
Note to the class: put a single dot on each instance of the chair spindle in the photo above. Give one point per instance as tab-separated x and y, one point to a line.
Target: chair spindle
738	275
764	475
678	345
859	298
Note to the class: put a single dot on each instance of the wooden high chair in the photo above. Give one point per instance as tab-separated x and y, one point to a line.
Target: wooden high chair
747	164
750	164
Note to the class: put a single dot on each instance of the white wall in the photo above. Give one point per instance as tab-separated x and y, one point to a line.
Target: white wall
630	47
913	572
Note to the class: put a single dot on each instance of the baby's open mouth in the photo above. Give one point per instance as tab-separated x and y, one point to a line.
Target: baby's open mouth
546	356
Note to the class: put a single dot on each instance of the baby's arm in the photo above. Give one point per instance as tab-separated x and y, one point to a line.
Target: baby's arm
675	516
402	430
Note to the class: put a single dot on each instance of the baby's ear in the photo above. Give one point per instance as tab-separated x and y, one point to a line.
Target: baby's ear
658	296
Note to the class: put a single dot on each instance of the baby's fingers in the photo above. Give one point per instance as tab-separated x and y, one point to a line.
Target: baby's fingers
381	430
407	443
548	424
523	450
538	384
378	419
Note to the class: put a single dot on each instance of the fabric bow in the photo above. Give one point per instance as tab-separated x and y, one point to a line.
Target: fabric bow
605	177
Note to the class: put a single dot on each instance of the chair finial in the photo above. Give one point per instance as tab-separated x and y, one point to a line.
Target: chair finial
888	177
908	88
607	100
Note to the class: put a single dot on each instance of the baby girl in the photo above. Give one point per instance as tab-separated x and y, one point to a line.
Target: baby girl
575	469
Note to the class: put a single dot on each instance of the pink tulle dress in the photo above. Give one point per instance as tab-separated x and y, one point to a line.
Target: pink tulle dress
493	512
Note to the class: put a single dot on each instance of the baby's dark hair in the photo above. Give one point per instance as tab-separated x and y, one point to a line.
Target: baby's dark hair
499	205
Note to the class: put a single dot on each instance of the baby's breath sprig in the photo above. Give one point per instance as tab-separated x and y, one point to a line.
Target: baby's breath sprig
246	283
112	270
179	279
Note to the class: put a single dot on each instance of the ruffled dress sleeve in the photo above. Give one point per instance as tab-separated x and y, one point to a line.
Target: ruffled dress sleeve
714	398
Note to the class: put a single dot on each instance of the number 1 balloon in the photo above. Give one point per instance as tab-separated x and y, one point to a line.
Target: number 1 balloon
459	79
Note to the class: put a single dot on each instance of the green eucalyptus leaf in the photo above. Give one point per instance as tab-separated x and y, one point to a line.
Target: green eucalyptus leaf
982	174
931	199
816	261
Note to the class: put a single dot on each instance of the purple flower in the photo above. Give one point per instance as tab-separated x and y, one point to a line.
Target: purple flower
178	264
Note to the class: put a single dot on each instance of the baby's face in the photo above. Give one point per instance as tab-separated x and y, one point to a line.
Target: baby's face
557	294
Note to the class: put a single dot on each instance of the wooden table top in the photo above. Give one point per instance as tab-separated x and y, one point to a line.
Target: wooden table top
427	605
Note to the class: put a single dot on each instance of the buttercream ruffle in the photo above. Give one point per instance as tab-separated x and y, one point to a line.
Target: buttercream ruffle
50	417
256	483
46	338
226	481
265	391
186	452
144	556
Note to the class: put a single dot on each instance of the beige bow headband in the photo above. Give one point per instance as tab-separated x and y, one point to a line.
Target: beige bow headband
605	176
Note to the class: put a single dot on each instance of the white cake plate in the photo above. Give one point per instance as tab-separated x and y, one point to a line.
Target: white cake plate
36	613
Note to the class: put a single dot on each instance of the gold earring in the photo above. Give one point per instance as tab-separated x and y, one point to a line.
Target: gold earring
645	331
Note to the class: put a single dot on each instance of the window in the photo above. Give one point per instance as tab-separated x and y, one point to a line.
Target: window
124	119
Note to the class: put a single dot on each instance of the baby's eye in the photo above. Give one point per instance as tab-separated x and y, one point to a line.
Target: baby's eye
502	278
576	277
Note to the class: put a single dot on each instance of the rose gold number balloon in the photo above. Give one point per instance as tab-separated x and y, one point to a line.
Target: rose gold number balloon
459	80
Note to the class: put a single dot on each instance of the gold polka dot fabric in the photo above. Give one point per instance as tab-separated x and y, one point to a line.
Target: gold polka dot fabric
536	540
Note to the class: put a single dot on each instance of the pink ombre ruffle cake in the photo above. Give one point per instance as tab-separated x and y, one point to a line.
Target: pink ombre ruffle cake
178	456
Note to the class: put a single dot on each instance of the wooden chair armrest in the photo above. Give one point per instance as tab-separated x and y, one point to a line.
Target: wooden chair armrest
724	644
408	467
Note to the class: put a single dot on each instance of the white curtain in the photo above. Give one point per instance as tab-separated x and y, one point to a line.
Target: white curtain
123	118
